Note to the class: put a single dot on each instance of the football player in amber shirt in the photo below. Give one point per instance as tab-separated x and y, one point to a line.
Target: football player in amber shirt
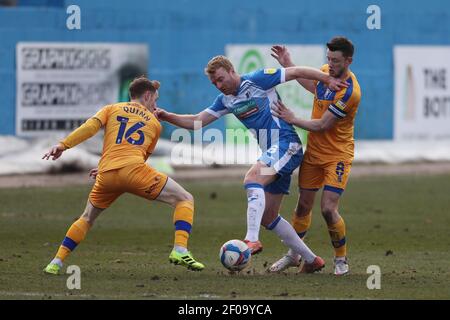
329	153
131	133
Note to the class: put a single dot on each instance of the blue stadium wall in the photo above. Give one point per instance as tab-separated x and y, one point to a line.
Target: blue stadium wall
183	34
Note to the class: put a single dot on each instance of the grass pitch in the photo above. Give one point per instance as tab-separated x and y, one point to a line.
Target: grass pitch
401	224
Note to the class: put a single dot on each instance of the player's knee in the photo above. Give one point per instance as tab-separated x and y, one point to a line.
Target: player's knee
304	207
329	213
250	177
184	196
90	218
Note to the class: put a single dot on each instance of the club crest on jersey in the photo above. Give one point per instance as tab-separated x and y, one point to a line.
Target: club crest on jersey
245	109
327	94
292	150
270	71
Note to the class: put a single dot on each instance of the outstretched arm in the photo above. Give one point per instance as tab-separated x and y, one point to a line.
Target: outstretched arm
315	74
282	55
187	121
84	132
305	75
323	124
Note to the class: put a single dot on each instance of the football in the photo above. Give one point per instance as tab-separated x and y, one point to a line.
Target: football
235	255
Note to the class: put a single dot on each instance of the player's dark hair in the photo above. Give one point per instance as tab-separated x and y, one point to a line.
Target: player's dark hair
341	44
140	85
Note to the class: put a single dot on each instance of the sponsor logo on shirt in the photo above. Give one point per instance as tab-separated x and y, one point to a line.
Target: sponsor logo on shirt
270	71
245	109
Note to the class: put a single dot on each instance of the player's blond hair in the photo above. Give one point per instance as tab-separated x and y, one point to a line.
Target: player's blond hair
216	63
140	85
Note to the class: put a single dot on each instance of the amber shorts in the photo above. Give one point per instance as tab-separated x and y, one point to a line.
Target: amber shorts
330	174
138	179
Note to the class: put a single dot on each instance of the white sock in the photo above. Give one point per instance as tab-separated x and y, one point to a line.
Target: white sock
292	254
180	249
256	203
286	232
57	261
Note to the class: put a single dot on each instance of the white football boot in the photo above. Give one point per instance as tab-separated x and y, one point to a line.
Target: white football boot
341	266
284	263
